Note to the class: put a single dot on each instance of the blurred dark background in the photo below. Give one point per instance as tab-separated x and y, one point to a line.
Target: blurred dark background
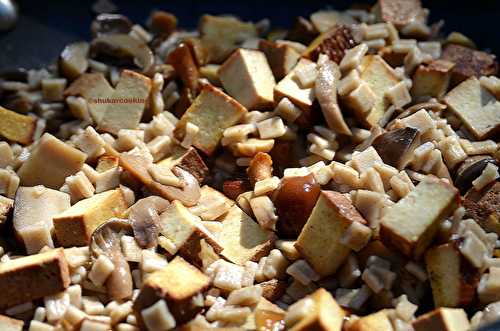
46	26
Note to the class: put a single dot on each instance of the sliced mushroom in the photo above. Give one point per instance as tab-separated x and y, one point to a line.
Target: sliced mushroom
124	49
145	217
105	240
189	194
430	105
470	169
109	24
325	88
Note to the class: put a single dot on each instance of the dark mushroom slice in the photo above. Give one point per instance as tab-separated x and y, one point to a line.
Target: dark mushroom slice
18	75
189	194
105	240
109	24
124	50
162	22
184	63
395	147
294	202
470	169
144	217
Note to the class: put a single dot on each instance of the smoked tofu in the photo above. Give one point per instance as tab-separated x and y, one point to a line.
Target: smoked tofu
212	112
247	77
50	162
432	80
212	204
10	324
378	321
443	319
33	277
74	226
484	207
398	12
334	43
326	314
127	103
180	284
187	159
412	223
92	87
242	239
319	241
16	127
379	77
476	107
281	57
453	279
186	232
6	206
290	87
33	212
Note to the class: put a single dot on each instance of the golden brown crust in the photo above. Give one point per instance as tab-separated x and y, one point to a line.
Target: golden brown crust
261	167
16	127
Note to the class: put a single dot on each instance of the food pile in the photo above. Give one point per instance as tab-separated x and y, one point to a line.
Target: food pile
339	175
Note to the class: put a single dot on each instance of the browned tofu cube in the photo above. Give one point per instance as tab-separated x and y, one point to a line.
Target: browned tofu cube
10	324
242	239
73	60
432	80
221	35
319	241
442	319
485	209
273	289
187	159
334	43
50	162
92	87
16	127
186	233
469	63
412	223
6	206
180	284
33	212
326	315
453	279
247	77
290	87
74	226
396	147
378	321
33	277
379	77
107	162
212	112
212	204
282	58
127	103
398	12
476	107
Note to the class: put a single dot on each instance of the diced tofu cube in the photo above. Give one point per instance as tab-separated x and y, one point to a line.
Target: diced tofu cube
17	127
326	314
6	206
282	58
442	319
212	204
212	112
33	277
398	12
33	212
247	77
74	226
319	241
476	107
185	231
289	87
380	77
179	284
128	102
92	87
412	223
221	35
453	279
242	239
378	321
50	162
10	324
432	80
